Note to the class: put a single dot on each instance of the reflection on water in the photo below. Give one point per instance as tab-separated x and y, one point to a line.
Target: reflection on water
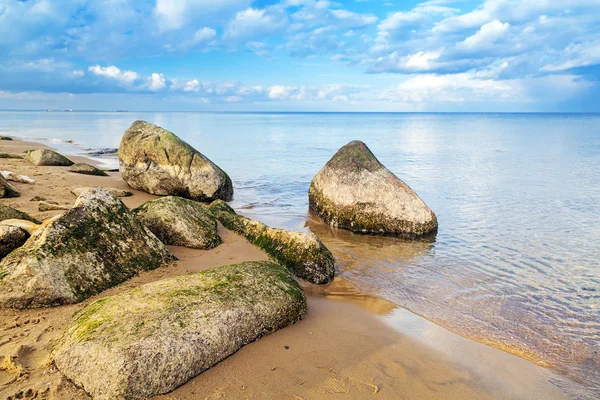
515	260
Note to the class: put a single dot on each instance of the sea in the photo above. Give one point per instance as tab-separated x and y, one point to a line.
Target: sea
516	261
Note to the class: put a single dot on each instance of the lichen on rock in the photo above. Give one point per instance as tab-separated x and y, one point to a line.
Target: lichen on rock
95	245
156	161
355	191
149	340
47	157
302	253
180	222
86	169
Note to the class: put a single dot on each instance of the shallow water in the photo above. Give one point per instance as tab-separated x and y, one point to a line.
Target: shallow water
515	262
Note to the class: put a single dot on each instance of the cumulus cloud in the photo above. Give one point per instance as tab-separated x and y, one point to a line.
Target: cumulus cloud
254	23
353	20
171	15
486	36
114	73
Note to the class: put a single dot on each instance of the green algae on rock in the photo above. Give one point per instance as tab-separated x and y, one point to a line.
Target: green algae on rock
86	169
7	212
47	157
7	190
355	191
150	340
11	237
156	161
180	222
302	253
95	245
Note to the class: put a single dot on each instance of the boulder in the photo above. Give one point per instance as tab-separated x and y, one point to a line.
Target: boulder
47	157
156	161
302	253
13	176
355	191
149	340
5	138
180	222
113	191
87	169
7	190
28	226
11	237
7	212
95	245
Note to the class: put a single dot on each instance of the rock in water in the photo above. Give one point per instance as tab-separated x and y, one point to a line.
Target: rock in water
302	253
87	169
97	244
180	222
11	237
7	212
149	340
355	191
156	161
7	190
47	157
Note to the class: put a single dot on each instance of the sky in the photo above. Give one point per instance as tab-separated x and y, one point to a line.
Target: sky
301	55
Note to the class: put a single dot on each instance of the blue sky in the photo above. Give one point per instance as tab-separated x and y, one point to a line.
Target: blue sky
301	55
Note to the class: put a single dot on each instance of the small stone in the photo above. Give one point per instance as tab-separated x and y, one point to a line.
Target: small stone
87	169
51	206
113	191
7	190
5	138
10	155
7	212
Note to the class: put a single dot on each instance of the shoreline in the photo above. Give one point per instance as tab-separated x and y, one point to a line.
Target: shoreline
404	355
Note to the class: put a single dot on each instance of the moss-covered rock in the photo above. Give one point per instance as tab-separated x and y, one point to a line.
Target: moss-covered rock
302	253
112	191
28	226
87	169
5	138
355	191
47	157
7	212
95	245
7	190
180	222
10	155
11	237
156	161
149	340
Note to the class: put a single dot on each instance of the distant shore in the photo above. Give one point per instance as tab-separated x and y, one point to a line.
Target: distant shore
351	344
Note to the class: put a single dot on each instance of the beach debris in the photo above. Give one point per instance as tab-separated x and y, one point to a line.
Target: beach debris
10	155
7	190
355	191
7	212
87	169
11	237
113	191
12	176
51	206
150	340
302	253
5	138
156	161
95	245
28	226
47	157
180	222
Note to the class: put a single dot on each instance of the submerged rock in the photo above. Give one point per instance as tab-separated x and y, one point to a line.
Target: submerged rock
150	340
97	244
302	253
7	212
112	191
7	190
156	161
180	222
355	191
11	237
28	226
47	157
87	169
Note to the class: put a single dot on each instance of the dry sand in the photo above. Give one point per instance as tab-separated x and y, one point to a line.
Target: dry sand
351	345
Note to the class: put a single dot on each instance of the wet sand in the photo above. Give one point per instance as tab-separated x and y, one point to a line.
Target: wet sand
351	345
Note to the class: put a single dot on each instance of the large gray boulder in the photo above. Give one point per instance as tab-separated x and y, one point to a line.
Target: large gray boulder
355	191
302	253
7	190
11	237
149	340
156	161
7	212
97	244
180	222
47	157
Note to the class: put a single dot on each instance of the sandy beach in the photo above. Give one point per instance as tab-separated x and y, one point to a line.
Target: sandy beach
351	345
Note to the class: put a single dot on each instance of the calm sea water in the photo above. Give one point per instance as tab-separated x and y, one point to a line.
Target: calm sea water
516	260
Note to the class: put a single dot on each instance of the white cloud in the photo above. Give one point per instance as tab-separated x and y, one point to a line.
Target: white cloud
157	82
192	86
174	14
487	35
254	23
114	73
204	34
353	20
